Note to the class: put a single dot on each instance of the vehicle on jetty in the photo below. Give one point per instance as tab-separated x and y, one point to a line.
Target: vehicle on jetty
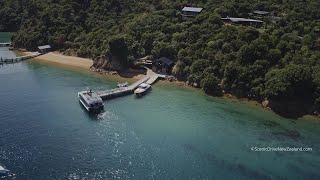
91	101
4	171
142	89
121	85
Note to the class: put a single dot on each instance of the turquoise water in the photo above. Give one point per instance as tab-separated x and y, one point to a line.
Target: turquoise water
5	37
171	133
4	51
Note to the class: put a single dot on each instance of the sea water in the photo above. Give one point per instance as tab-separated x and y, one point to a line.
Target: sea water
170	133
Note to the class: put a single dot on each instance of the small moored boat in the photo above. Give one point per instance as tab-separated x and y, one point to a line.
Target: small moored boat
142	89
91	101
4	171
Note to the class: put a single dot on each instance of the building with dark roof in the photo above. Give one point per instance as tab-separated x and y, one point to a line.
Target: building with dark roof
44	49
163	65
261	13
243	21
191	11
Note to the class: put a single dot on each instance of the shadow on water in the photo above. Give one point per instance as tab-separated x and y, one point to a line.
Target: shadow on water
294	116
233	111
292	134
141	96
92	115
270	123
281	132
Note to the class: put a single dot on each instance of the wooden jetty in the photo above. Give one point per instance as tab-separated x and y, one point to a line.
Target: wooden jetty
112	93
150	78
116	92
7	44
17	59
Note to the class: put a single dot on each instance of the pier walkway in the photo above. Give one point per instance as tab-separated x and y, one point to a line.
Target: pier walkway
6	60
7	44
150	78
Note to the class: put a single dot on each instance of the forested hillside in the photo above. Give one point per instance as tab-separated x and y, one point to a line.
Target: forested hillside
280	63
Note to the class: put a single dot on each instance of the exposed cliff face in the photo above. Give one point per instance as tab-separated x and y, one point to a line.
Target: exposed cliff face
107	63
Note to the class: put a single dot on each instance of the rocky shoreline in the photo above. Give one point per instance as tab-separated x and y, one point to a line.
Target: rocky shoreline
290	110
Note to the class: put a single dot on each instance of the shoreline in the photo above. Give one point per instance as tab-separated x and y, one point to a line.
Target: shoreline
76	63
55	57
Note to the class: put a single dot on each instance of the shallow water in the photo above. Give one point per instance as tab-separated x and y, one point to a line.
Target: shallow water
171	133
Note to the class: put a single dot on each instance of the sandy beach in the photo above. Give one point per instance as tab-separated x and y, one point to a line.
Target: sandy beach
73	62
55	57
83	63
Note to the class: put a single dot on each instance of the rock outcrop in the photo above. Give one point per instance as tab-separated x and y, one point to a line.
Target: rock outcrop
107	63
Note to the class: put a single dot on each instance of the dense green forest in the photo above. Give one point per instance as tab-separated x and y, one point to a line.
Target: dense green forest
280	62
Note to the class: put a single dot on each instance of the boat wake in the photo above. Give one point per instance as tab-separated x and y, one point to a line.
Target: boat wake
105	115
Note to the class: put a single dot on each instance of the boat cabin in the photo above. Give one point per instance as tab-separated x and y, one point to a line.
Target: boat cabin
91	101
142	89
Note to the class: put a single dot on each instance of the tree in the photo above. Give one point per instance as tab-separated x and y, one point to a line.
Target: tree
250	53
316	82
179	71
289	83
274	56
118	48
163	49
199	66
249	34
210	85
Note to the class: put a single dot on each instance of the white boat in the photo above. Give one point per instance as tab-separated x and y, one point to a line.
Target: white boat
121	85
4	171
91	101
142	89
